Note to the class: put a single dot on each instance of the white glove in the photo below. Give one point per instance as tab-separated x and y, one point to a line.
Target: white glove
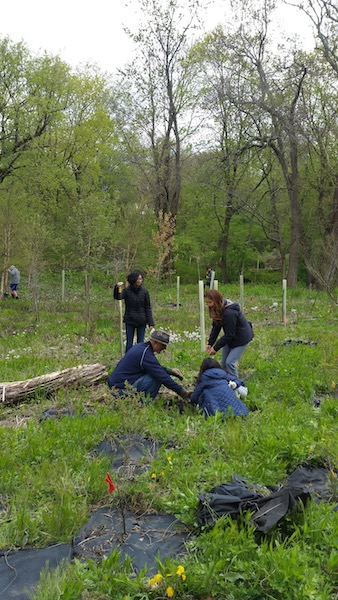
242	391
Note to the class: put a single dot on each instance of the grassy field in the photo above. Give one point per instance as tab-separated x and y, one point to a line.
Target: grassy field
50	481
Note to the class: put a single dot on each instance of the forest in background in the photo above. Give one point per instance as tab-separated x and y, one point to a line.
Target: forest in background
216	149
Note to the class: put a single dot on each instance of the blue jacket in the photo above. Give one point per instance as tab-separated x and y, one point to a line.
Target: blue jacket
141	360
214	394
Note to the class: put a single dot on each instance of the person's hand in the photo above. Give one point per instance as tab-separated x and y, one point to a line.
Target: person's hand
177	373
211	351
185	394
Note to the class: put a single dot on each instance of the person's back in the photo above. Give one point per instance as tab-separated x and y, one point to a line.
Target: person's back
130	366
212	394
140	368
14	274
14	280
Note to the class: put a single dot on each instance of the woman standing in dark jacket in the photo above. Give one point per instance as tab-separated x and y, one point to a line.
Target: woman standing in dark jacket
238	331
138	313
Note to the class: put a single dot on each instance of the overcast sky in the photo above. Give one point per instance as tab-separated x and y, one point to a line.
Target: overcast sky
81	31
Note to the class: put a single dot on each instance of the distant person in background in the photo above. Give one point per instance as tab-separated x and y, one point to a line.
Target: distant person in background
14	280
208	276
138	313
238	331
140	368
217	391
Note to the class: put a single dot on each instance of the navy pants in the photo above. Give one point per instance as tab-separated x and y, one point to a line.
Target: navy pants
130	333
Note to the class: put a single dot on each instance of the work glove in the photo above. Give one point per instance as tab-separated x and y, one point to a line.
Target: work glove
242	390
174	372
177	373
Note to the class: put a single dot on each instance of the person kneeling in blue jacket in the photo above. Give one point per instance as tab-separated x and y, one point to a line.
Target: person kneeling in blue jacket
141	369
213	394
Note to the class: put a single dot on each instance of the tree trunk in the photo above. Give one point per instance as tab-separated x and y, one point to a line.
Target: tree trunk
14	392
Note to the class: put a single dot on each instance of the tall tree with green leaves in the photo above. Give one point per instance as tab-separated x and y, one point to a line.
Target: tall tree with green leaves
32	95
157	97
228	149
321	102
270	97
33	98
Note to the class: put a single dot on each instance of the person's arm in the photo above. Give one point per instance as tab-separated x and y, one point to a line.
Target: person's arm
229	326
148	311
118	291
174	372
151	365
214	333
235	379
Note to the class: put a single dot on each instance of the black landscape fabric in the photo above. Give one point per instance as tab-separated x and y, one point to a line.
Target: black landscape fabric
268	505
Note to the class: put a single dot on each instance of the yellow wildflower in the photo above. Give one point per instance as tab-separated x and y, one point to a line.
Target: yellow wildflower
183	576
154	581
153	475
169	459
180	570
170	592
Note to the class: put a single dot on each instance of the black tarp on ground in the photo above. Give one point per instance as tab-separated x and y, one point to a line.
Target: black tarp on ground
268	505
314	480
20	571
131	454
146	536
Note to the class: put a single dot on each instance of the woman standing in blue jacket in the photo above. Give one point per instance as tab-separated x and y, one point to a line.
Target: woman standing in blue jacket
138	313
213	394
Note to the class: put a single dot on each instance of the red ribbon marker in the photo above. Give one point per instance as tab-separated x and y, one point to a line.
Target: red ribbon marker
111	486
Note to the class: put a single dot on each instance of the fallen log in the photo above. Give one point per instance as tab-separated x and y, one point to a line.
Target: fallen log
12	392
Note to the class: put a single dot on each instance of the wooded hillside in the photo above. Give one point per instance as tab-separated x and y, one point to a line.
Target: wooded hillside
223	151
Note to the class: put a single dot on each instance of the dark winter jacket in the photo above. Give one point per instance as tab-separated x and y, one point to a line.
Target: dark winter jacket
237	330
141	360
214	394
137	305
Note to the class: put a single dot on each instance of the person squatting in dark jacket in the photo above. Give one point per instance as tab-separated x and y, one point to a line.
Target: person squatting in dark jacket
138	313
140	368
238	331
214	394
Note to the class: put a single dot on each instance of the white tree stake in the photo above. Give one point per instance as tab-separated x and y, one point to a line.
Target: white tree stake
63	285
284	302
178	292
241	292
202	320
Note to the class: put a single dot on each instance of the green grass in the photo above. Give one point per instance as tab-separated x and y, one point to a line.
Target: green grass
51	478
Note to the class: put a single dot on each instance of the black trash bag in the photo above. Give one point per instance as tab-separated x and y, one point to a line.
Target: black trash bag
268	505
